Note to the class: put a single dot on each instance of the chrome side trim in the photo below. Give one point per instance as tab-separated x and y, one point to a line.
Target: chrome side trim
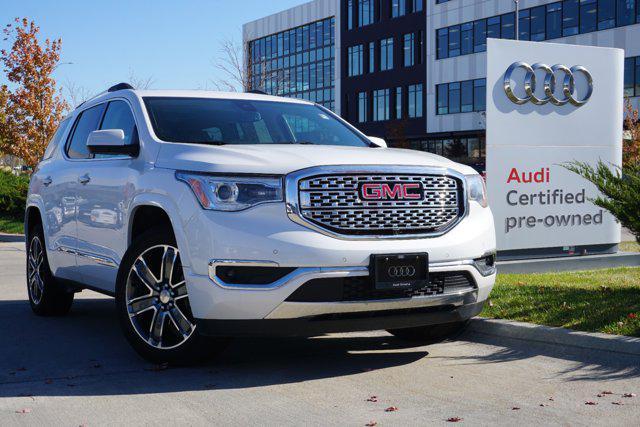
293	310
95	258
295	278
292	200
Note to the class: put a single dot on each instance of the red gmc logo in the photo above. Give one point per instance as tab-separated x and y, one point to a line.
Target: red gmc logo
391	191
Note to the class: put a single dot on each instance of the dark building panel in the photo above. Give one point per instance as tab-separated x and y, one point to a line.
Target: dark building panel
390	98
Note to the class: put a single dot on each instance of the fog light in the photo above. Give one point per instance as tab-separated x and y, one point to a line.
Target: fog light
486	265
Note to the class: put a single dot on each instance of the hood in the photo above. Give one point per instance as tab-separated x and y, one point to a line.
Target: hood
281	159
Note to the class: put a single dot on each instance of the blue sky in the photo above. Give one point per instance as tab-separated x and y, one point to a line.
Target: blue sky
175	43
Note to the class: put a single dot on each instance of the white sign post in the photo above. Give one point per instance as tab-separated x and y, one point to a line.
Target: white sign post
537	204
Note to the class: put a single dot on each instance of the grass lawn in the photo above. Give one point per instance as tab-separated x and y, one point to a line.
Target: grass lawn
595	301
630	247
11	225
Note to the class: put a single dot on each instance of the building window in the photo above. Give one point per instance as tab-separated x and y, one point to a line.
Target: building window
415	101
570	17
632	76
461	97
606	14
386	54
296	63
398	103
363	107
551	21
350	14
355	55
554	20
417	6
365	13
372	57
409	50
398	8
381	105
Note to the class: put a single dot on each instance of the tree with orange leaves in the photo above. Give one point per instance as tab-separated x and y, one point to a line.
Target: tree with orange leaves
31	109
631	144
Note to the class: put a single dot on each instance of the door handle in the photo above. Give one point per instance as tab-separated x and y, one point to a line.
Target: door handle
47	181
84	179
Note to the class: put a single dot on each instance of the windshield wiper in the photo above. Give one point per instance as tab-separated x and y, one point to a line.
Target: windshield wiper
300	142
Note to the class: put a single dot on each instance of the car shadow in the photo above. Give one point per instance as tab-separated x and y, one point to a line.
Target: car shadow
85	354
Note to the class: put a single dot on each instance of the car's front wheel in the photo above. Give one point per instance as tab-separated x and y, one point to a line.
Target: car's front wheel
153	303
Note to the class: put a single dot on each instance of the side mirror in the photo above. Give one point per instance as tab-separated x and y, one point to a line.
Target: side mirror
110	141
378	142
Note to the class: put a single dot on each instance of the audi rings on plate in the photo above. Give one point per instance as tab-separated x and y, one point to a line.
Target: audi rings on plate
400	271
569	94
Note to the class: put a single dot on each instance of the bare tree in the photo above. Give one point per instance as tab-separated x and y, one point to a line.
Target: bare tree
140	83
236	67
75	93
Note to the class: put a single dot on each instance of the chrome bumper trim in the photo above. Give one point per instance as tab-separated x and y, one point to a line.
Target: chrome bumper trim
294	310
303	274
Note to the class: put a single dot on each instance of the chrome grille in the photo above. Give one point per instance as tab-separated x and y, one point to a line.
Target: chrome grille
334	203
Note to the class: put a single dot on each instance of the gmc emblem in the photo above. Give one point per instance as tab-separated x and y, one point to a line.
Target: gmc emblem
391	191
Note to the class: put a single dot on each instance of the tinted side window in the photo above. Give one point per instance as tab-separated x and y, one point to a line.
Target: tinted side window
119	116
88	122
55	141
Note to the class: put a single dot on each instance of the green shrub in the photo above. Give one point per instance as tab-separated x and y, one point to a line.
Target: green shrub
620	188
13	194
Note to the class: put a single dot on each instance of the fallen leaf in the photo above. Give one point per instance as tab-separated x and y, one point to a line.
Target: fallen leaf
515	408
454	419
617	403
607	392
543	404
371	423
629	395
599	395
590	402
391	409
372	399
23	411
551	399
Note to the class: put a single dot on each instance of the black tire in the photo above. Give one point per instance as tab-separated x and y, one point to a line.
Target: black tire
46	296
430	334
180	346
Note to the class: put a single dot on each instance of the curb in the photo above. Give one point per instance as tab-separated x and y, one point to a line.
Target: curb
559	336
5	238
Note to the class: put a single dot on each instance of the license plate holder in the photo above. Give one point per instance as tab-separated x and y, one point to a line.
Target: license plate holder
400	271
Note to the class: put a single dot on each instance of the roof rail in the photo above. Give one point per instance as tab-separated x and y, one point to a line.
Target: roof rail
257	91
119	86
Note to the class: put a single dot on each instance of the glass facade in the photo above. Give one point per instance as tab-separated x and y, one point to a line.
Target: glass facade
381	101
546	22
355	55
467	149
297	63
386	54
414	95
461	97
632	76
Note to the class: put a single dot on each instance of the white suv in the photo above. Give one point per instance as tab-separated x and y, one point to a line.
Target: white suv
212	215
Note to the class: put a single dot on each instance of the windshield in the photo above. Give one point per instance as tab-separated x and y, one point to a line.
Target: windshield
233	121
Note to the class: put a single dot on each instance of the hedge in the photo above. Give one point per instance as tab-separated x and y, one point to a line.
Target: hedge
13	194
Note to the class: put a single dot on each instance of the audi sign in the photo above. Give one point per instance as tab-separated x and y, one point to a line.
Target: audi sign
566	86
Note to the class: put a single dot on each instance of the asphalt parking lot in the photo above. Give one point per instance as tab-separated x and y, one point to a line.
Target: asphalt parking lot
79	370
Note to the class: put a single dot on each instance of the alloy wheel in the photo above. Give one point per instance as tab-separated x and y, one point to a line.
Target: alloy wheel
157	299
35	262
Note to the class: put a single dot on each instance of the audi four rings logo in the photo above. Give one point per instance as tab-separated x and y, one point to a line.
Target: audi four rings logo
399	271
552	92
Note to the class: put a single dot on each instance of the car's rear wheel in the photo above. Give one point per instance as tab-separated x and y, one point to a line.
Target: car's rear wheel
430	334
153	303
46	297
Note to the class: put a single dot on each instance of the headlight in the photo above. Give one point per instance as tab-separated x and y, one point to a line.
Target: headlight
228	193
477	190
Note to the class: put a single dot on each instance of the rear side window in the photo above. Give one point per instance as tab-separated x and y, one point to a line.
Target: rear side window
88	121
55	141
